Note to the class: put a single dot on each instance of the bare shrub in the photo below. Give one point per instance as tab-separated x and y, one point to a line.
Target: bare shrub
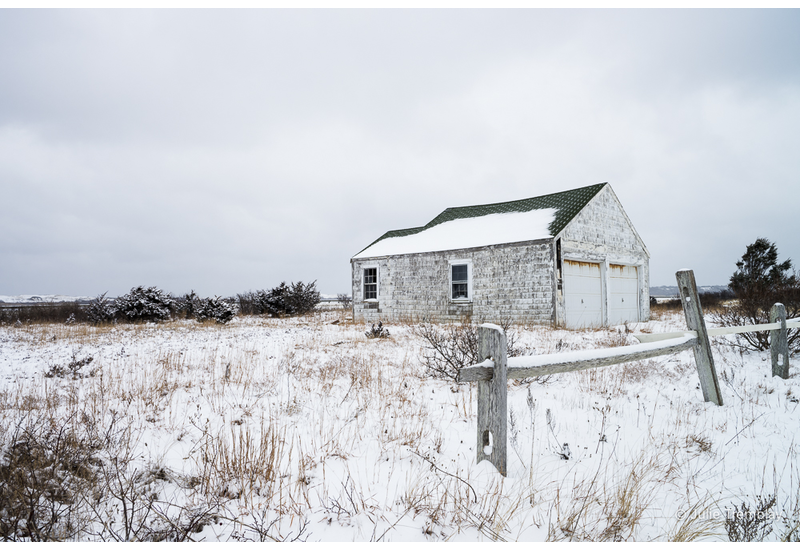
453	347
754	311
743	524
130	510
44	471
260	528
249	303
77	478
345	300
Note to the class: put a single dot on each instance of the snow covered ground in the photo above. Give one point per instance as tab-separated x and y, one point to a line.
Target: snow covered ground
305	429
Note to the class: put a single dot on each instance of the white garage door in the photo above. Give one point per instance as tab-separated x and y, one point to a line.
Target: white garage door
623	286
582	294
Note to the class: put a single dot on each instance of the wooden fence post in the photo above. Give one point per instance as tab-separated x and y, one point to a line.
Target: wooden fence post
492	398
702	351
779	342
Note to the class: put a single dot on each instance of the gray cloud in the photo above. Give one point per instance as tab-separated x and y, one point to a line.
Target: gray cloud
230	150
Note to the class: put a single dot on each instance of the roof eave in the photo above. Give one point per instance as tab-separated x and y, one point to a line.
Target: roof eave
542	240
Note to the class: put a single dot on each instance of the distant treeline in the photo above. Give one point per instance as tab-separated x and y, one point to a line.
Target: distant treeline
708	300
56	312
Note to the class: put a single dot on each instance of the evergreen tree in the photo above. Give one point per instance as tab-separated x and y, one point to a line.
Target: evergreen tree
759	271
101	310
759	282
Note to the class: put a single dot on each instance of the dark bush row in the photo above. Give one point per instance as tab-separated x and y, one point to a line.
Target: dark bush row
150	304
45	313
293	299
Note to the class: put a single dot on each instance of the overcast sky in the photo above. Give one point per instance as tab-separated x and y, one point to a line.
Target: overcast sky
224	151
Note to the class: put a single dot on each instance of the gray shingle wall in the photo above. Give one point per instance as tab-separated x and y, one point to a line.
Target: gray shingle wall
602	227
508	282
602	232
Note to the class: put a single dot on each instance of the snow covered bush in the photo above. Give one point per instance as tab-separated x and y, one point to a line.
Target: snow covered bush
295	299
215	308
274	301
145	304
186	305
377	331
100	310
73	369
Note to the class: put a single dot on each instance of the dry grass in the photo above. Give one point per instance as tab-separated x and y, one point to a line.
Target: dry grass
271	429
699	521
609	507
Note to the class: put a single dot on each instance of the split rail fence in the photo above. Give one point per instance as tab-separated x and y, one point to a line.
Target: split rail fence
493	373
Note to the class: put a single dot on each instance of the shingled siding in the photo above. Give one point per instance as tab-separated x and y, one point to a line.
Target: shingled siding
602	233
509	281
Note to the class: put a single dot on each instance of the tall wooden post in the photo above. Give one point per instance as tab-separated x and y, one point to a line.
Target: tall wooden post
492	398
702	351
779	342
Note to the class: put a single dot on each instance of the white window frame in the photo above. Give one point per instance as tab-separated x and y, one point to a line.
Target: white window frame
364	284
451	263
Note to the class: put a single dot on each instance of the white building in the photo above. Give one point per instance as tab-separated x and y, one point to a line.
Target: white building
570	259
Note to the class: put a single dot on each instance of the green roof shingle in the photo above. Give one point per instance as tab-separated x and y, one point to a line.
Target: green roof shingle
566	203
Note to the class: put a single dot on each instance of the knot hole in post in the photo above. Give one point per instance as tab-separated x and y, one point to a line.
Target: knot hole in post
488	442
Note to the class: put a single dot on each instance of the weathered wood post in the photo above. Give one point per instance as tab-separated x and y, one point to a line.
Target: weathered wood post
779	342
492	398
702	351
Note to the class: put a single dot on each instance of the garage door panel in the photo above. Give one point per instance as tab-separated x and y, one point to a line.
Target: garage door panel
623	286
582	294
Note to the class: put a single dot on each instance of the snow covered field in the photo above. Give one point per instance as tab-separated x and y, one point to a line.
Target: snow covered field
304	429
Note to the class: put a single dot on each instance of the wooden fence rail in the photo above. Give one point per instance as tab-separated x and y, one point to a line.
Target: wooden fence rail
493	373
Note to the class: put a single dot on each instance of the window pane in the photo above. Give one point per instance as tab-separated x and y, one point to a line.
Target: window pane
459	273
371	283
459	290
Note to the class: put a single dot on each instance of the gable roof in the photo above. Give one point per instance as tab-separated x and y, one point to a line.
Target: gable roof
564	206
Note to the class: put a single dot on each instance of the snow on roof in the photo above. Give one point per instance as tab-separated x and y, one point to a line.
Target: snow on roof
487	230
565	205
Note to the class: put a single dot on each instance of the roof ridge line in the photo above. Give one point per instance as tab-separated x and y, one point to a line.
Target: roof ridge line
523	200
